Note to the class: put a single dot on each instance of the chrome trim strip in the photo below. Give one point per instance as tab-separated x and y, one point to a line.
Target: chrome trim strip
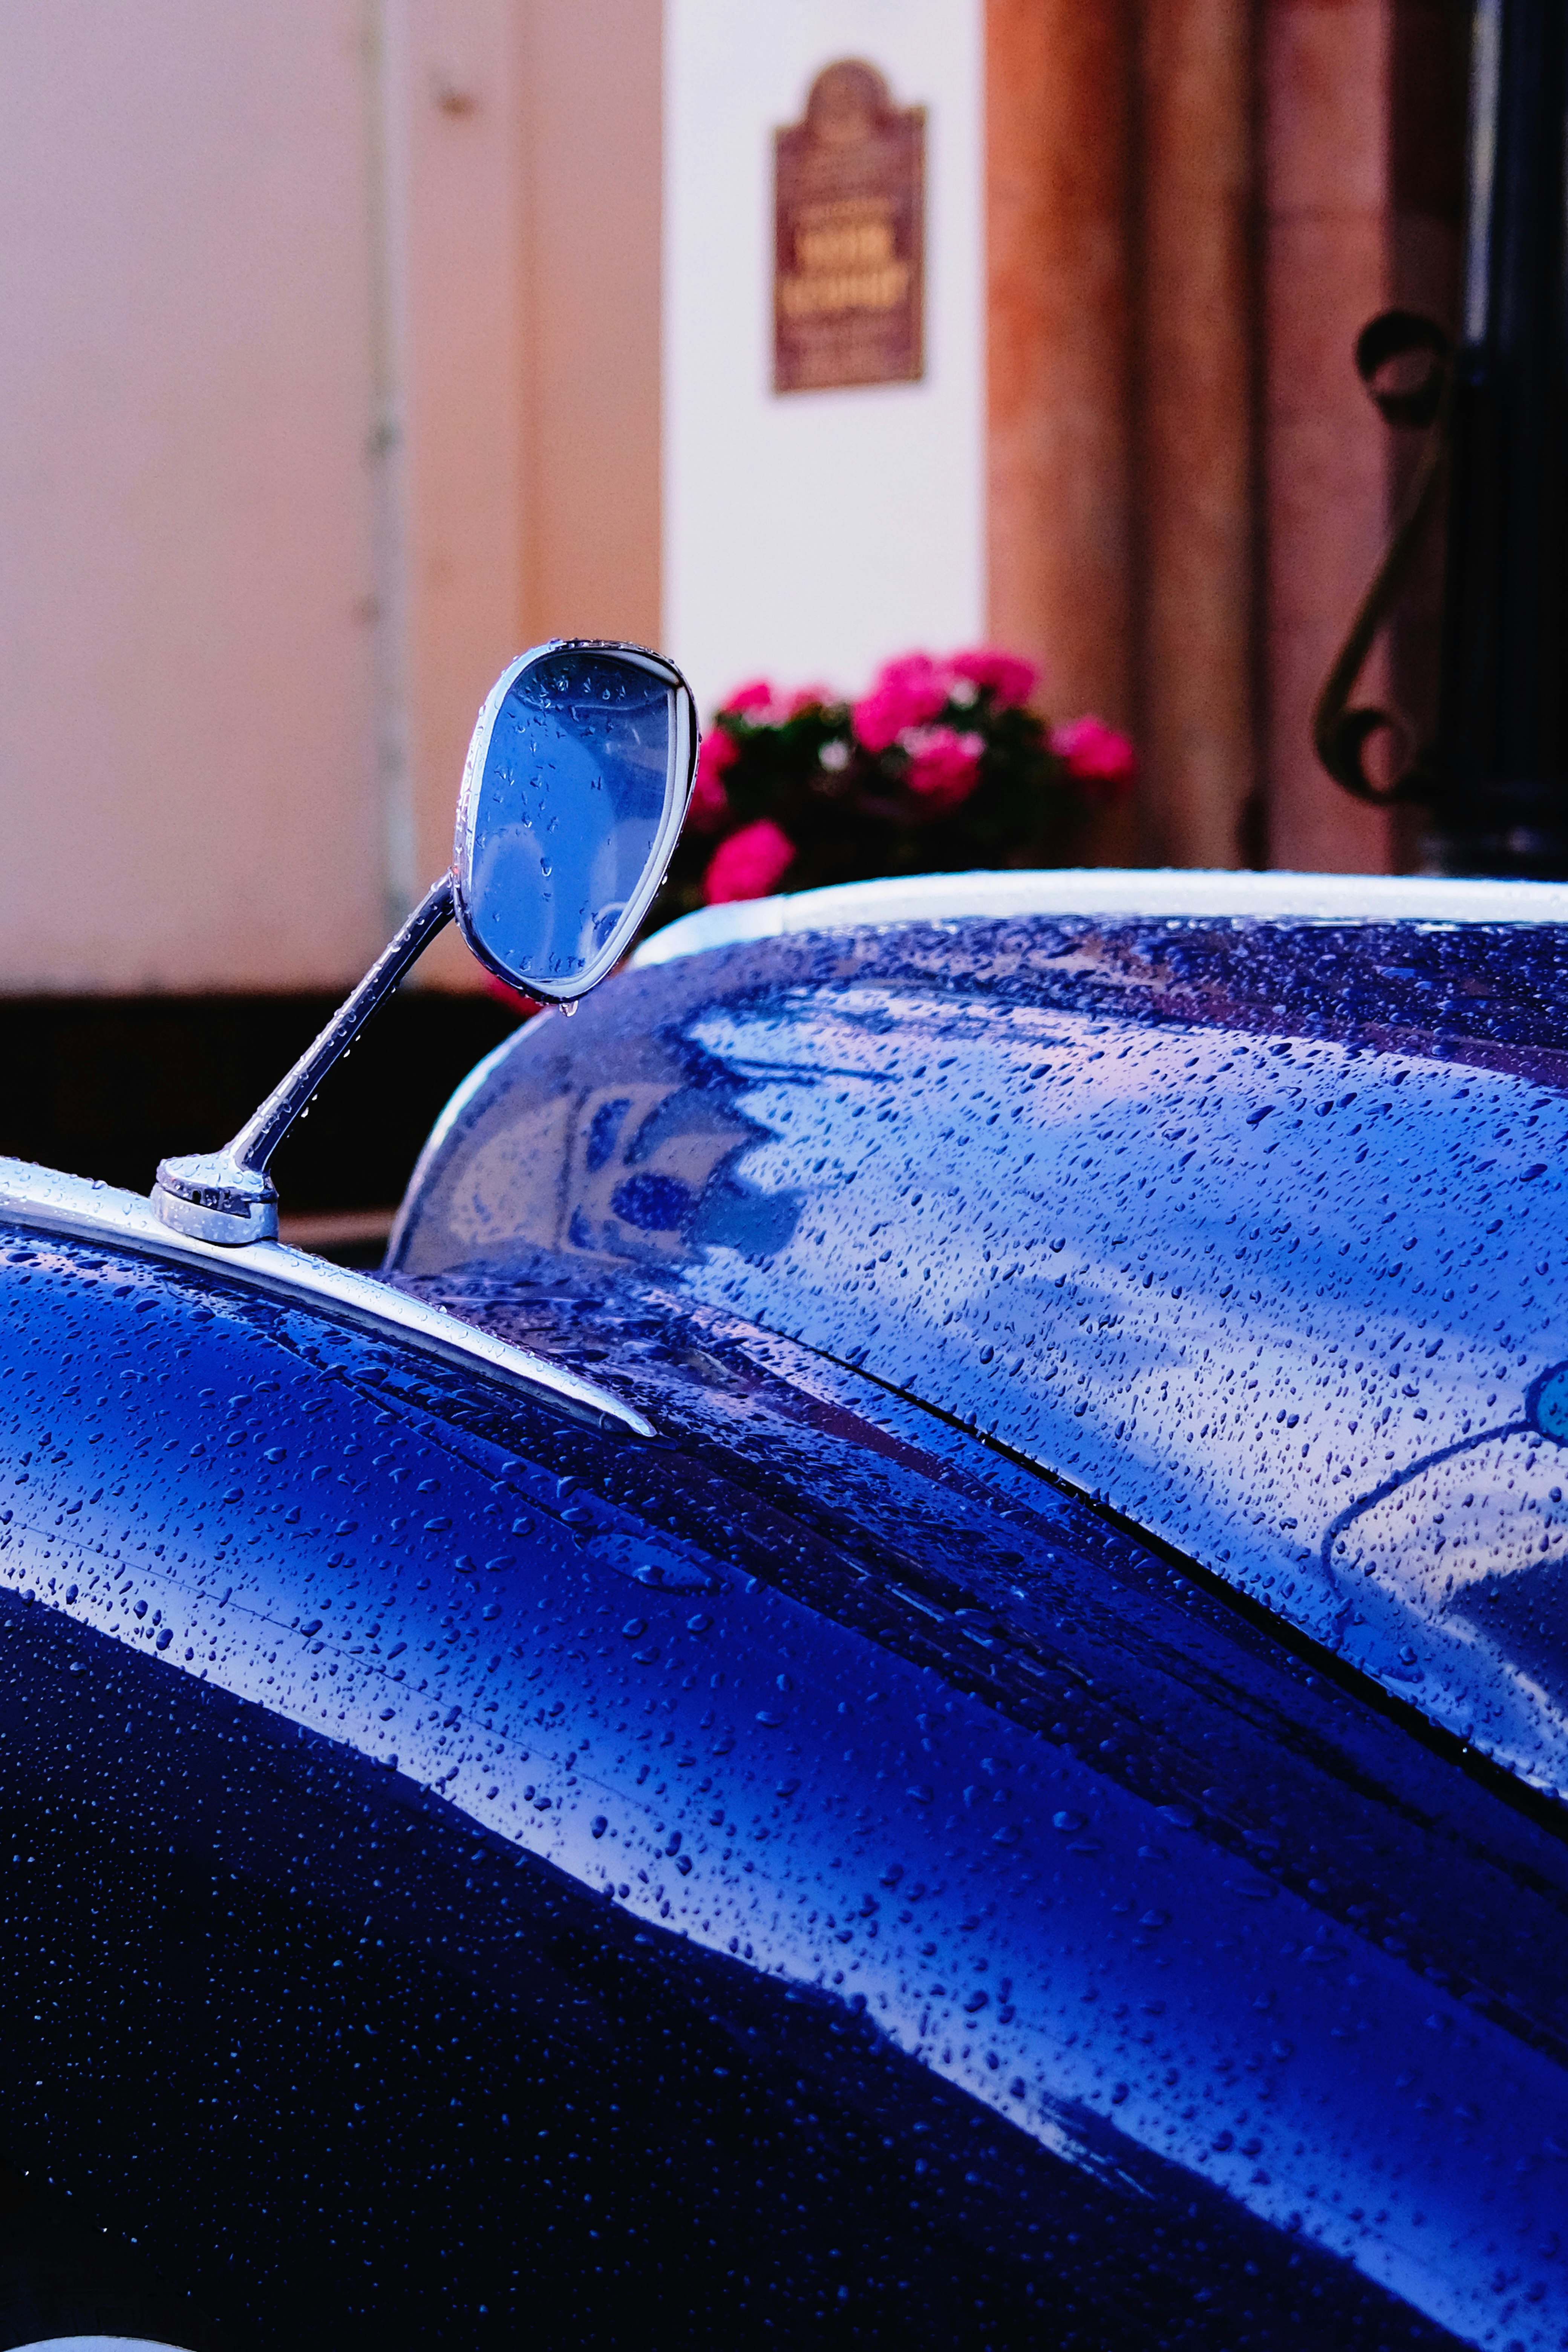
1113	891
44	1199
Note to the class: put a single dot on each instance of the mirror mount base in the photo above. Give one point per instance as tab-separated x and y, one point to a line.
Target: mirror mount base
210	1197
226	1196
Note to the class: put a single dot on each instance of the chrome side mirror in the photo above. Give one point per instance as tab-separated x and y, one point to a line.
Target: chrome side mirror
575	786
574	793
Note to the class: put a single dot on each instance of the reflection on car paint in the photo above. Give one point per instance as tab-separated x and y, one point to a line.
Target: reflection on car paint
1230	1261
897	1892
838	1721
1489	1532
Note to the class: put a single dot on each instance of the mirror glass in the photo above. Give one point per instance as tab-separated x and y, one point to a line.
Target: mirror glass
576	784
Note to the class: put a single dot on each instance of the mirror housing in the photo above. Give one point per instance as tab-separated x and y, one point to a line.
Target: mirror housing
576	784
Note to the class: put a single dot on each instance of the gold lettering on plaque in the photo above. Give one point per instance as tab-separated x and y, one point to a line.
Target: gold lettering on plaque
849	236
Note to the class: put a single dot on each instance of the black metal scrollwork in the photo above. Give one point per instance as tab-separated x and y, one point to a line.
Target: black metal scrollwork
1342	729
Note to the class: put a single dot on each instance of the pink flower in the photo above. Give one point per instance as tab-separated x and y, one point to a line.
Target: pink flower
503	995
1096	755
709	804
749	865
944	767
1010	677
754	696
904	693
761	704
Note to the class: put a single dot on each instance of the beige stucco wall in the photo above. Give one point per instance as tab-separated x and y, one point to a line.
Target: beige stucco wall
328	379
592	149
351	345
186	563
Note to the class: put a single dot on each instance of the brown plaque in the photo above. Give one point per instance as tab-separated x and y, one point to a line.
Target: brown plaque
849	236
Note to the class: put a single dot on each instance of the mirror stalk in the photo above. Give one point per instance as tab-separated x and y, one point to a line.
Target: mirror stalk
227	1196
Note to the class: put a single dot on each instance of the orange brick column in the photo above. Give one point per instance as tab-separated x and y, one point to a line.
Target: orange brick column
1058	91
1196	444
1326	272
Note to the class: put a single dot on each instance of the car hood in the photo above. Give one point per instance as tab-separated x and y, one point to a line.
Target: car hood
1247	1231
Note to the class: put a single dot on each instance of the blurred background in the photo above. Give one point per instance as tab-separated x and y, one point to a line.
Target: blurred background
350	346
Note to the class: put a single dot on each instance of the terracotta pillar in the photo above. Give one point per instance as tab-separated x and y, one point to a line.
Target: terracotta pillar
1060	456
1195	443
1426	193
1326	100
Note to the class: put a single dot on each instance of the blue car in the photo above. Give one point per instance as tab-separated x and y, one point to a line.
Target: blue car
904	1680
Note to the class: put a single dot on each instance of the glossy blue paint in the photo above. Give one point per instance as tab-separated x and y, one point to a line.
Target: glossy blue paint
1253	1231
810	1872
809	1834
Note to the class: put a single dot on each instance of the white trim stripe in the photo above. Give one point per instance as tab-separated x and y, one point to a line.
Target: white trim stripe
1113	891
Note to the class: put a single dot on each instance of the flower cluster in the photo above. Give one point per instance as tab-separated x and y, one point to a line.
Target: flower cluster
941	766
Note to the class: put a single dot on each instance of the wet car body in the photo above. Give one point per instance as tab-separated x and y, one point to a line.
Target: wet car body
975	1829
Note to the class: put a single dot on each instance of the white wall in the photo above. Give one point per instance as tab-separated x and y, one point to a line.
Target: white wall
285	436
187	784
454	521
261	459
808	536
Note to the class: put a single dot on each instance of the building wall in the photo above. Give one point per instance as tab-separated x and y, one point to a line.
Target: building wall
1327	254
593	141
1192	216
330	379
187	576
452	487
1061	272
809	535
1200	478
352	344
